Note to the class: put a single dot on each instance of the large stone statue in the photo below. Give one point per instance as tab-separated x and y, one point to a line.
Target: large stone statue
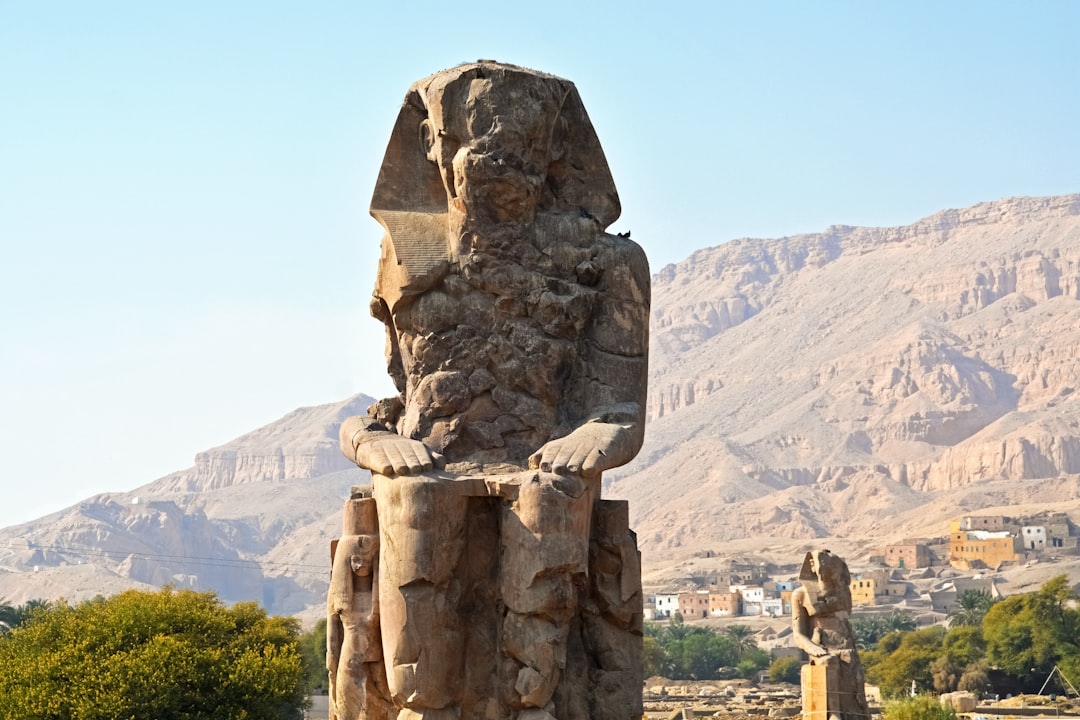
833	685
517	339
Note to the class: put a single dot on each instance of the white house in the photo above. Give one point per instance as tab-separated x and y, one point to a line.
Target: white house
666	604
1033	536
753	594
773	607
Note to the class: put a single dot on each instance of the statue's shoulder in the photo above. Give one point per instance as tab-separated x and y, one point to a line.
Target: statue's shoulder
628	265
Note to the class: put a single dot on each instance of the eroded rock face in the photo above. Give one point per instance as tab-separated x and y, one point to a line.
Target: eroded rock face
907	361
517	337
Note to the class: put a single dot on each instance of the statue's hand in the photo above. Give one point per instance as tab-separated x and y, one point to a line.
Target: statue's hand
390	454
588	450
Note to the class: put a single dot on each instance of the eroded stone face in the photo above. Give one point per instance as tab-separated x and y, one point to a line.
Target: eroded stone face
517	339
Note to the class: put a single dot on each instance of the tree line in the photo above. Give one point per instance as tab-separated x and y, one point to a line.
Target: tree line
1016	642
691	652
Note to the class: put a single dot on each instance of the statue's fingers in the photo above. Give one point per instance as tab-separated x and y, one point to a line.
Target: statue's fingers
578	458
563	457
437	460
397	460
375	459
418	459
544	457
594	462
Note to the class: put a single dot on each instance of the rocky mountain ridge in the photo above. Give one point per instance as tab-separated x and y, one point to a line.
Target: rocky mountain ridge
252	520
908	362
861	385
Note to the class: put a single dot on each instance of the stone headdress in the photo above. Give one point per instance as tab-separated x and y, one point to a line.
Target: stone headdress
541	113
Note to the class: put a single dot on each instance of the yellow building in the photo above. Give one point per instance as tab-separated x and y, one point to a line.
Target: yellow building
862	591
876	586
990	549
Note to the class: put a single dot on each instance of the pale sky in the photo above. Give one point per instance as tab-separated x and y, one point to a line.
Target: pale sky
186	250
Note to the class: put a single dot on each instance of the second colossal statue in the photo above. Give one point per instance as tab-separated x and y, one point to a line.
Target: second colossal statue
833	684
517	340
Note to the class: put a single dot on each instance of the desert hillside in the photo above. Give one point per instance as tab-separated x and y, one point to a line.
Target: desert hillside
855	386
252	520
863	382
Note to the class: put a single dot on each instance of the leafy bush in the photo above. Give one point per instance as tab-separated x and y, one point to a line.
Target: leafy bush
785	669
976	678
312	646
920	707
894	667
143	656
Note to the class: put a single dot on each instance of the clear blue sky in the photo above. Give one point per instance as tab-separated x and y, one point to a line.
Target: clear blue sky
186	251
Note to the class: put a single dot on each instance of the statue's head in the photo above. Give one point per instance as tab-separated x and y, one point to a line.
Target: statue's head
362	554
488	144
830	571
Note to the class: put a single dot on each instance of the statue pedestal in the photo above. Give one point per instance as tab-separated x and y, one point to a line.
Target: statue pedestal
515	596
819	691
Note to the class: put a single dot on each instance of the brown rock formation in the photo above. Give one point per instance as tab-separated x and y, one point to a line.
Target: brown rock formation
880	363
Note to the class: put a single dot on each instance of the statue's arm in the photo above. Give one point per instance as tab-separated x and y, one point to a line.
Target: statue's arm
334	637
800	625
371	446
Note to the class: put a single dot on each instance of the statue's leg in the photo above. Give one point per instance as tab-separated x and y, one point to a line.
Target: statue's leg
544	565
613	616
422	521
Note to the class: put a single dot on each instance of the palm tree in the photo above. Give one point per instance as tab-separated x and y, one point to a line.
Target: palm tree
8	616
899	620
971	606
868	630
742	636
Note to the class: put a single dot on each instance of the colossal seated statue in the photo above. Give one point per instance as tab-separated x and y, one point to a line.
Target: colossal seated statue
517	340
833	684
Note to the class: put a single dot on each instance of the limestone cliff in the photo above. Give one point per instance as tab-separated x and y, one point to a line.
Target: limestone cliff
929	357
252	520
303	444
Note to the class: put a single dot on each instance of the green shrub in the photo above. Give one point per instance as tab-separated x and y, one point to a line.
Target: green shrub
785	669
151	656
920	707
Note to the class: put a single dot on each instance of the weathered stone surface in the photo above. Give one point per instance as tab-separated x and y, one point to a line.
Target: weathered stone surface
833	684
960	701
517	336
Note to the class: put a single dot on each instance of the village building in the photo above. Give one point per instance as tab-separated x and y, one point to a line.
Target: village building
908	555
725	604
862	591
1033	537
984	523
665	605
876	586
694	605
775	607
944	600
979	548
